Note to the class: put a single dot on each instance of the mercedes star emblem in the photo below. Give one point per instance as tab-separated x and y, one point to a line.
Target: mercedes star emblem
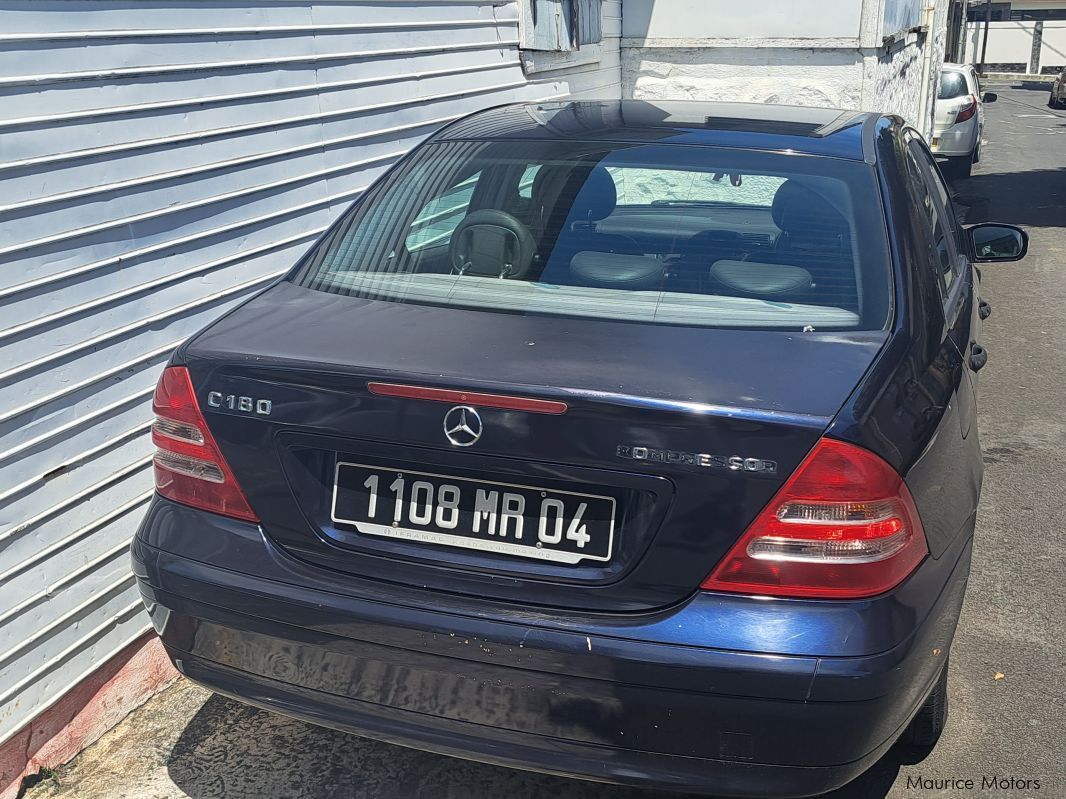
462	426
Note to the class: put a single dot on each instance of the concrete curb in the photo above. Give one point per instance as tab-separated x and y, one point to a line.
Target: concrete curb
1015	77
96	705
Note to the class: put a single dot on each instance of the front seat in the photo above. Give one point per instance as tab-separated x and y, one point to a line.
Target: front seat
816	237
492	243
594	198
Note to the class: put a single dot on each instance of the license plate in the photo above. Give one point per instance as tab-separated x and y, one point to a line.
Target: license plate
530	522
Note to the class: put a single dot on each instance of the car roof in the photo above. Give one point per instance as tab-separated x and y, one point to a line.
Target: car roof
795	129
956	67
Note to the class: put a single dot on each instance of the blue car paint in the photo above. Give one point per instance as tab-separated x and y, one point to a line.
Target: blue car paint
526	448
919	389
242	616
624	672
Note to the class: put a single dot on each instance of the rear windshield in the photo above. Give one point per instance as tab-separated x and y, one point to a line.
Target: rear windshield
952	85
640	233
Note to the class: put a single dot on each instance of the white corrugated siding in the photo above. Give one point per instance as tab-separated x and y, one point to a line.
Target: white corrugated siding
159	161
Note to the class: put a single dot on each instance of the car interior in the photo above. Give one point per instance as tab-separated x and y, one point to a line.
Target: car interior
567	227
615	236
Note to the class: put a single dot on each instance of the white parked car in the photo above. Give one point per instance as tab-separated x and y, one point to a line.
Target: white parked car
1058	91
959	119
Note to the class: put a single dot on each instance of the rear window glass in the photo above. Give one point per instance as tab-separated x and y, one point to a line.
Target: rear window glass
639	233
952	85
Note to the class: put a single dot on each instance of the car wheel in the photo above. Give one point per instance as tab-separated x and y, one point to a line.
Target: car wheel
924	730
977	150
1053	101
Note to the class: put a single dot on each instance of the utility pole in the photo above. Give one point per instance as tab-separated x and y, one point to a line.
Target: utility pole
984	44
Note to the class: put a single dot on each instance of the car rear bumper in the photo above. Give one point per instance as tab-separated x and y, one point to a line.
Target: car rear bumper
625	700
542	754
956	140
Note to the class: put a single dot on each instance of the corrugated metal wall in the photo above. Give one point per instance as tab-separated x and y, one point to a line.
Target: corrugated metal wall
159	161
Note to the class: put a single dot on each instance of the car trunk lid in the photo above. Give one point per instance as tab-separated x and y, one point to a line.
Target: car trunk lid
681	435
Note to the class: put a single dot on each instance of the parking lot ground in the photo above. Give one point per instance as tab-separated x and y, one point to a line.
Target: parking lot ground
1007	729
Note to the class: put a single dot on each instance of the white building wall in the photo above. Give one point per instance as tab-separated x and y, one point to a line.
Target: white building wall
892	83
663	20
902	78
1053	47
158	163
1037	5
793	76
1008	42
802	52
1010	45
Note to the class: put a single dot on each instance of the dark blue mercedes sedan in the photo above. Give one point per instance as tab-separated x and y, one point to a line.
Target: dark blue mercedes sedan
620	441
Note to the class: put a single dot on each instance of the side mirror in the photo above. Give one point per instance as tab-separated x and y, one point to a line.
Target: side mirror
990	243
989	97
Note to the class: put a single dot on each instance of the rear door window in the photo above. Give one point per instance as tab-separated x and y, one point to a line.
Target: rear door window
525	184
438	218
934	204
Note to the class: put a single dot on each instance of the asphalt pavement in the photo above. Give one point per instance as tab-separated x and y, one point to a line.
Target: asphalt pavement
1006	731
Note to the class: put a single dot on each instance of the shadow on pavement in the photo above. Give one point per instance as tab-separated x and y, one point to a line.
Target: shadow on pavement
1031	198
233	751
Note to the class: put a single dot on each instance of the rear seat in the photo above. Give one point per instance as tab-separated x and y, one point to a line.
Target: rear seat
761	280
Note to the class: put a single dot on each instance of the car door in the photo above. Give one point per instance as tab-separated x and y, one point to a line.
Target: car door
963	269
955	276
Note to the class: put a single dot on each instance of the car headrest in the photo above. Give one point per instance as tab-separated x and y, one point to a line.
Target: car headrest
597	197
800	211
492	243
619	271
767	281
544	180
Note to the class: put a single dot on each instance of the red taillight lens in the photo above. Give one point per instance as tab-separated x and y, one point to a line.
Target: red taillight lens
844	526
189	467
967	111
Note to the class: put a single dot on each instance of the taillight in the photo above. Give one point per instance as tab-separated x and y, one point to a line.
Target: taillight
967	111
189	467
844	526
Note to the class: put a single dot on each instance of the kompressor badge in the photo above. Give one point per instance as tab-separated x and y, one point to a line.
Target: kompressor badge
733	463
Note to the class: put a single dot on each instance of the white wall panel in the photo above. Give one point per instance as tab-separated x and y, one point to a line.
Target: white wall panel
1053	46
160	161
752	20
812	52
1008	42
